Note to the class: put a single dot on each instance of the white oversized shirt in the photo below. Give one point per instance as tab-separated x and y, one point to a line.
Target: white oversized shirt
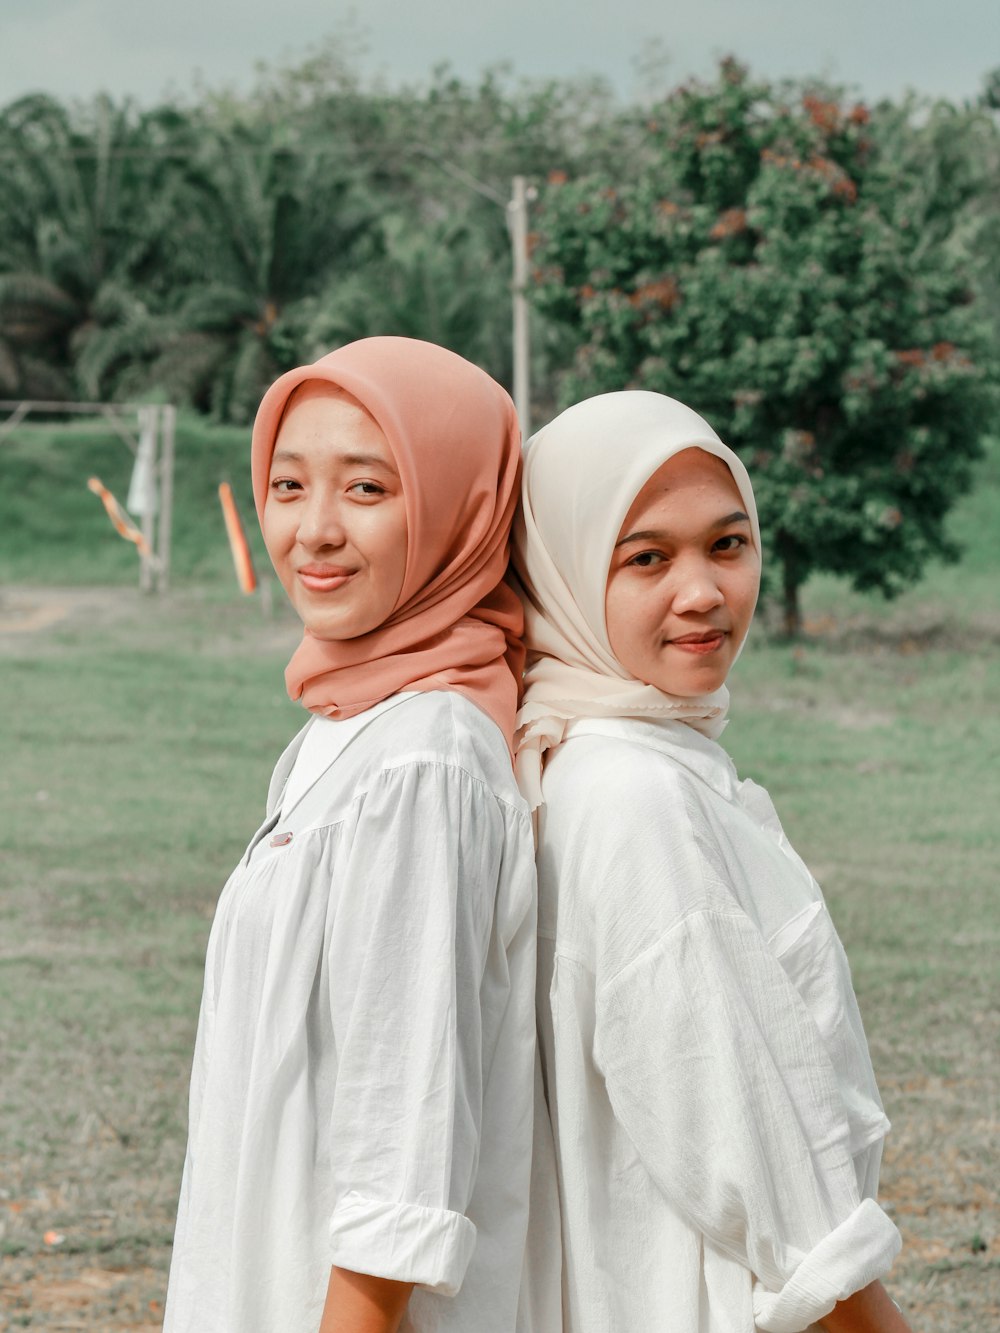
362	1086
718	1128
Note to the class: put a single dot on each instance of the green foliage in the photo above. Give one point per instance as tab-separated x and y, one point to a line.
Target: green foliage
196	251
275	222
436	281
778	263
85	236
752	251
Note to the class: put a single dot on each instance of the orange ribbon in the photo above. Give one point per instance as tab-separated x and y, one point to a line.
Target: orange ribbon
238	543
122	523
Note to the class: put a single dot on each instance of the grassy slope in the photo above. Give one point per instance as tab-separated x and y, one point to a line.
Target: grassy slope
140	741
55	531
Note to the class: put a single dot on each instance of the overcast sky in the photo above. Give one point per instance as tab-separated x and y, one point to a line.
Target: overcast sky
148	47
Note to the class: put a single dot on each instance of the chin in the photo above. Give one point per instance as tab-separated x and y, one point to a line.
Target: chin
686	691
336	630
690	687
333	633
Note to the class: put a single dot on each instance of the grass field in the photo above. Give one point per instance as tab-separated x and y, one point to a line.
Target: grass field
138	736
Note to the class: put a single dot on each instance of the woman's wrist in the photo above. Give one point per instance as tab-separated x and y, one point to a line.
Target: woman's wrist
360	1303
871	1310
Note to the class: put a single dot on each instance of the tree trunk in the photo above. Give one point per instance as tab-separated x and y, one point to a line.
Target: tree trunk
791	582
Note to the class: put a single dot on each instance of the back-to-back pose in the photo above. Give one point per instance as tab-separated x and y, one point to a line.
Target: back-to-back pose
718	1127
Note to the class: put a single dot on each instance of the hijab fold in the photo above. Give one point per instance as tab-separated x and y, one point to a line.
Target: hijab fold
582	473
455	441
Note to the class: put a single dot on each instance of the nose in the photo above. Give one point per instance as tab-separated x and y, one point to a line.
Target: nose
696	587
320	522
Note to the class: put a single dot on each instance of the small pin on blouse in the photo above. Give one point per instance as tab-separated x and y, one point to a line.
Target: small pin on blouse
281	840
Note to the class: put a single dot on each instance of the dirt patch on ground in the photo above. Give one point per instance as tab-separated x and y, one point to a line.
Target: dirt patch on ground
919	631
60	1293
42	619
31	611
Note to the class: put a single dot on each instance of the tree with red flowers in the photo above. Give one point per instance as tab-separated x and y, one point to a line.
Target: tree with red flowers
772	264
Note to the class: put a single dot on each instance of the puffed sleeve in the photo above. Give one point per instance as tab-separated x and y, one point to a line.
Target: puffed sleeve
719	1076
408	952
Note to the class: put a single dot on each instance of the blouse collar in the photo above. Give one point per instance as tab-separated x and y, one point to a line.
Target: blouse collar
699	754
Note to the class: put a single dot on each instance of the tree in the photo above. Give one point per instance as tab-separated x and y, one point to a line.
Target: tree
439	281
773	265
84	234
197	250
271	218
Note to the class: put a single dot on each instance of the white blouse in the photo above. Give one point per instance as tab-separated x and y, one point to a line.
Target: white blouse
362	1086
718	1127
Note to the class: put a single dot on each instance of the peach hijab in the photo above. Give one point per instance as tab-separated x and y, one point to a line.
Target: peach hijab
455	439
581	474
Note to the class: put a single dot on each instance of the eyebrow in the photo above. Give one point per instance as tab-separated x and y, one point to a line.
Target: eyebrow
352	460
652	535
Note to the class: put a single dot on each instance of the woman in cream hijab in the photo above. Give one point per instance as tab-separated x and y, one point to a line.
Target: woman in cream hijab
718	1128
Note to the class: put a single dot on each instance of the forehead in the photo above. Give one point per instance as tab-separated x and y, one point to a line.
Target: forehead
322	417
692	471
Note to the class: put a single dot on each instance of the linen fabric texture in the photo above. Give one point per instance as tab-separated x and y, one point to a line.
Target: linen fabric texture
362	1086
455	440
581	474
718	1129
717	1124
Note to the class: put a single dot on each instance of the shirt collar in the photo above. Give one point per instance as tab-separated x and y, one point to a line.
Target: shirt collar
701	756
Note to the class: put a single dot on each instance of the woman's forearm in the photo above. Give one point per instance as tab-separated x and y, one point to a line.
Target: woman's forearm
359	1303
870	1310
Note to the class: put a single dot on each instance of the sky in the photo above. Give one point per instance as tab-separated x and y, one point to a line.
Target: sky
74	48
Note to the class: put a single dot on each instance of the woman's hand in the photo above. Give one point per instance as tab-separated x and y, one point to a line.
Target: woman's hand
358	1303
870	1310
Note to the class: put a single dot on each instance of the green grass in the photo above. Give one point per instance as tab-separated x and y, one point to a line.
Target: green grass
56	531
139	734
143	740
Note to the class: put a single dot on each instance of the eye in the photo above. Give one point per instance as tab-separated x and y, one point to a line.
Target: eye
285	485
367	488
646	559
731	543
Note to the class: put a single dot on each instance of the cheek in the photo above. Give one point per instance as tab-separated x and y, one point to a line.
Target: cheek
275	527
743	596
623	614
612	612
389	549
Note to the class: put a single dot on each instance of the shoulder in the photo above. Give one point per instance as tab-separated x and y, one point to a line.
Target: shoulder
597	780
624	849
443	730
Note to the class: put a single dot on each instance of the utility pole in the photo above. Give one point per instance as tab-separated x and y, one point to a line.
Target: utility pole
517	226
517	222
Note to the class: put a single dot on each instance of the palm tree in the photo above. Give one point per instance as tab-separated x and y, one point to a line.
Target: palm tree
270	223
439	280
84	232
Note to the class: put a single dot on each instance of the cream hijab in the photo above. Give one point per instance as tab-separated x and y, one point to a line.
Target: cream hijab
581	474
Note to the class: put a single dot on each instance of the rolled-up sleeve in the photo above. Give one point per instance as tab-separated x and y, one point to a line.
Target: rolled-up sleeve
718	1075
407	955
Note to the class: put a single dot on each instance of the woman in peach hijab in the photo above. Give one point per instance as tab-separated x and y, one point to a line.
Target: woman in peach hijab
361	1099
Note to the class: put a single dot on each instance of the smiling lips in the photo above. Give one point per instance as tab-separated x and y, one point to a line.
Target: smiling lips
324	578
703	642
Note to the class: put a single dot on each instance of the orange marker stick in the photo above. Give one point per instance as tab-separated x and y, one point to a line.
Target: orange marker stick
238	543
123	524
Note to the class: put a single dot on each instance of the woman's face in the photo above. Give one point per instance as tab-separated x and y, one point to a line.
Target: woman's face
684	576
335	518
